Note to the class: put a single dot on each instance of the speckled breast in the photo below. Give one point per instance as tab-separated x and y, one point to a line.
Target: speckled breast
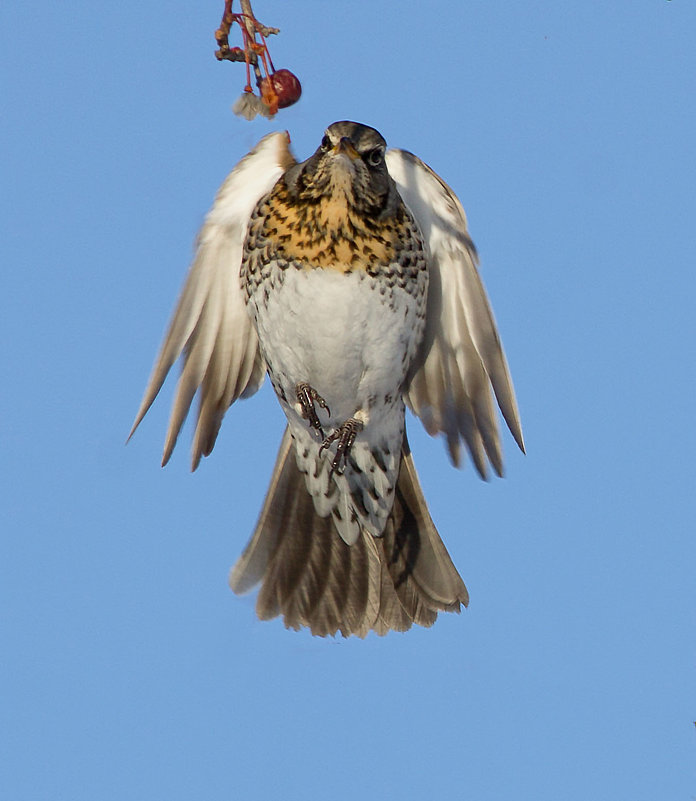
328	234
337	301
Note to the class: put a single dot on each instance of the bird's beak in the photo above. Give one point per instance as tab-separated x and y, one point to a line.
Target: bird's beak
345	146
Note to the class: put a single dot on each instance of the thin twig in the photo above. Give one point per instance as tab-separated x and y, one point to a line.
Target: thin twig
251	27
264	30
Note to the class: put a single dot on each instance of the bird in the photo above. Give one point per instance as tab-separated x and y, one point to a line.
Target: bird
350	279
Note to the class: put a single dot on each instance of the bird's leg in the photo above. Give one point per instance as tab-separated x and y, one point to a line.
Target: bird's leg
307	397
345	434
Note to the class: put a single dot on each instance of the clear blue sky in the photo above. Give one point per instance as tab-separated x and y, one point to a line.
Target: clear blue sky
129	671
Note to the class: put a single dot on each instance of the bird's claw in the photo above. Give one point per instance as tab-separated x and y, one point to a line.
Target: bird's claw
307	397
345	434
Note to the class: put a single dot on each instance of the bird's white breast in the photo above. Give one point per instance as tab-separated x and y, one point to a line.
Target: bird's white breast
349	335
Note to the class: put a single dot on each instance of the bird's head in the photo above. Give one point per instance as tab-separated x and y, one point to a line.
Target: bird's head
348	166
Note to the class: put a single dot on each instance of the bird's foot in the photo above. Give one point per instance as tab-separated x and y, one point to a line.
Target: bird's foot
345	435
307	397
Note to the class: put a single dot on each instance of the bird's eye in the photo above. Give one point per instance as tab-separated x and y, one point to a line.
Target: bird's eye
325	143
375	157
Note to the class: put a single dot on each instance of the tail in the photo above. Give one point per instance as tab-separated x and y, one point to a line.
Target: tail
312	578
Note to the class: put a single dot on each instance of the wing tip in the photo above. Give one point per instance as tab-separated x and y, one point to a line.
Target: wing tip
142	411
169	447
516	431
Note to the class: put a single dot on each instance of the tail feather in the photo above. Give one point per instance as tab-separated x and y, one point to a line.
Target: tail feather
312	578
418	558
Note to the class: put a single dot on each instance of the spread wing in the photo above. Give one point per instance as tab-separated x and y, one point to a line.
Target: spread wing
461	358
211	325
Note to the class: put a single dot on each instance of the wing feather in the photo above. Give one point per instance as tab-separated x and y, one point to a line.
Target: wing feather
461	359
210	325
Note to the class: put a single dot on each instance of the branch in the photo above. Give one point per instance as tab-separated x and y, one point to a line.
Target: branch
277	88
251	26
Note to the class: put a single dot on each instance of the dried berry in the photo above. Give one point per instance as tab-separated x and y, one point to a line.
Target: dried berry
285	86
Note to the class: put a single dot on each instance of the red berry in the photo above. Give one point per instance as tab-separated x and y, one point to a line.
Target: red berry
285	85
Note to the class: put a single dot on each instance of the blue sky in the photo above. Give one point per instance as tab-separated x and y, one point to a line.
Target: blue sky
129	669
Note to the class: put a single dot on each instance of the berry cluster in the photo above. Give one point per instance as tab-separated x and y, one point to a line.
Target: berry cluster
277	88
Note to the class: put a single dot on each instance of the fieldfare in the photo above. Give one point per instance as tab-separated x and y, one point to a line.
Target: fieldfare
350	279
